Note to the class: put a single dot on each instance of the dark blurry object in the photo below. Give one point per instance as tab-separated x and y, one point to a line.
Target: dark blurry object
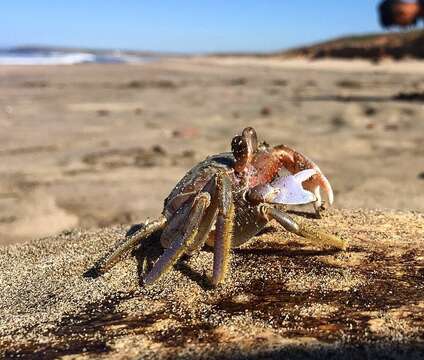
349	84
185	132
238	81
280	82
369	110
391	127
103	112
410	96
266	111
401	13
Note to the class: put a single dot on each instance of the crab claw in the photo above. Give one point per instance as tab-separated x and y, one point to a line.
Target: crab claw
295	162
286	190
291	190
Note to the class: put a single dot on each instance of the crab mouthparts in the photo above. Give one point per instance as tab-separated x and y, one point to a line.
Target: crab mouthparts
286	190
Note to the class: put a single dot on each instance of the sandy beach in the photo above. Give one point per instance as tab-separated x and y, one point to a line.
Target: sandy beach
284	297
110	109
94	145
100	146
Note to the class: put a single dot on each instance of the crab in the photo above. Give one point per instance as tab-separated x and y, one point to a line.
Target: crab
227	199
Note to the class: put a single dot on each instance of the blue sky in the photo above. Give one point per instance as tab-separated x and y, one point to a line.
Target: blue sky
183	25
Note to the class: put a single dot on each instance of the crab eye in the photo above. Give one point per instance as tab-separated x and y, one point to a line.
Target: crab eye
239	147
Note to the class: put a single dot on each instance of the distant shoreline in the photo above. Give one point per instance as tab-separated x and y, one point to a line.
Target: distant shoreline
406	66
374	47
55	57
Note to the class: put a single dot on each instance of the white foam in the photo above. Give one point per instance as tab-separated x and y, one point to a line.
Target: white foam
49	59
59	58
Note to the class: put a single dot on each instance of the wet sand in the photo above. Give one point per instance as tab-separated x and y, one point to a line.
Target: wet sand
96	145
284	297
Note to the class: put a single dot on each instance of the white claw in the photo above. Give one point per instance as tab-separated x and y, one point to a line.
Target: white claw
304	175
290	190
286	190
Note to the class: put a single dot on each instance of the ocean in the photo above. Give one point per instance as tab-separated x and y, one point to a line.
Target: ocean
52	57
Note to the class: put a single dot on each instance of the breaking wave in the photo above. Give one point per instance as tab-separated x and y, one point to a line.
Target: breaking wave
58	58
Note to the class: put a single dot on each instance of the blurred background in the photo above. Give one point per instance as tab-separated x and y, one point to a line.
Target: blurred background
105	105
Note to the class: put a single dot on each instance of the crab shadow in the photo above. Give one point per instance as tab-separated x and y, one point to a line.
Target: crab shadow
147	253
150	250
286	252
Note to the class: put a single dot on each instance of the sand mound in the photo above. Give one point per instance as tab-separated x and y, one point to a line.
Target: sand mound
283	297
395	45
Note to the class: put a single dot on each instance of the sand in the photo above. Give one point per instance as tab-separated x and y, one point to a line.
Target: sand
97	145
409	66
86	148
284	296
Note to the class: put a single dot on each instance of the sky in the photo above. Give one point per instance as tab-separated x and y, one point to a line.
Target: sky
193	26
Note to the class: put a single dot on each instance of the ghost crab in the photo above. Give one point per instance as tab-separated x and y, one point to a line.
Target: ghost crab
227	199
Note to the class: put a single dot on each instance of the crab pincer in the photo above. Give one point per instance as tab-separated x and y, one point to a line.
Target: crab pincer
285	190
288	190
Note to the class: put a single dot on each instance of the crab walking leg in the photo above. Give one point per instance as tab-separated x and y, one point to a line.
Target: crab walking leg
124	246
223	228
181	243
303	229
205	226
310	232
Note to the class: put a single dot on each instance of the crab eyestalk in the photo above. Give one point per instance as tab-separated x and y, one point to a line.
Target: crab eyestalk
243	147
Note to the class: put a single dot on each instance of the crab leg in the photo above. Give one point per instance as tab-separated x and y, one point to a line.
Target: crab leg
224	228
124	246
302	229
206	224
218	185
310	232
182	242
